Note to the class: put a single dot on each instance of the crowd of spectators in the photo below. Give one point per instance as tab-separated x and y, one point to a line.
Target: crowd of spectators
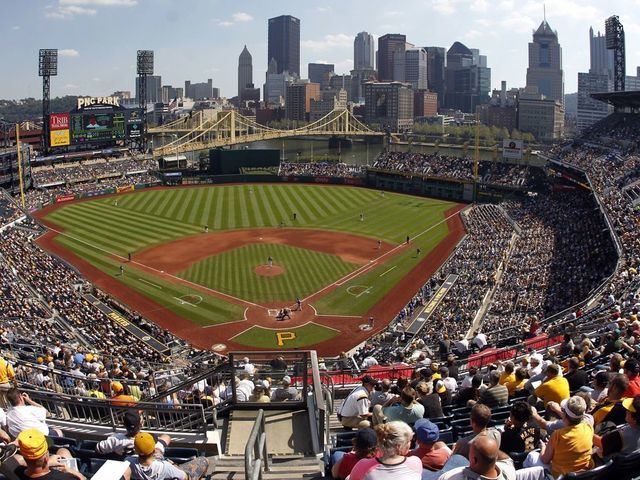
325	169
446	166
87	170
562	254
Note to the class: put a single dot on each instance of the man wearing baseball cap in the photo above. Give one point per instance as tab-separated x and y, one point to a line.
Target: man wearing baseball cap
122	443
34	449
355	411
145	465
434	454
569	448
625	439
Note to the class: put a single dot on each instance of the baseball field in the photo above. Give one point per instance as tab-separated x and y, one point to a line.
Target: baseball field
218	264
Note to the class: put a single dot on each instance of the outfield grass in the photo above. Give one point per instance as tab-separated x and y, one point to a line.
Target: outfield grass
298	337
148	218
232	272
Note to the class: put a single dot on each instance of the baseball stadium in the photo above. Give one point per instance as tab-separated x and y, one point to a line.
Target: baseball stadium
186	296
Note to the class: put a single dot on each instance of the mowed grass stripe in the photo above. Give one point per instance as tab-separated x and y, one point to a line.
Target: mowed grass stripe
96	237
181	215
280	210
307	195
176	200
196	206
316	196
216	221
240	200
297	203
87	222
252	214
208	201
154	224
259	203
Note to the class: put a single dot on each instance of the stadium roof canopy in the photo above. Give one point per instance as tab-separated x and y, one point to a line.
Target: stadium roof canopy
620	100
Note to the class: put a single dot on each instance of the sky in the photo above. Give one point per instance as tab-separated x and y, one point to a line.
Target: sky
199	39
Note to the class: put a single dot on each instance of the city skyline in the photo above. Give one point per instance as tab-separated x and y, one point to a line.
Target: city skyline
97	47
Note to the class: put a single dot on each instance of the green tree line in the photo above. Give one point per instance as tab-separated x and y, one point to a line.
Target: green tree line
31	108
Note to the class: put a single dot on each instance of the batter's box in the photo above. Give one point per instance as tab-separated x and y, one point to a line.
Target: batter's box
273	312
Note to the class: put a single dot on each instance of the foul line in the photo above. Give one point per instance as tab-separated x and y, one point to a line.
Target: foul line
384	273
149	283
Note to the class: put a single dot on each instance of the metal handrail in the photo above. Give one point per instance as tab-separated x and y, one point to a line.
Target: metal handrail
255	452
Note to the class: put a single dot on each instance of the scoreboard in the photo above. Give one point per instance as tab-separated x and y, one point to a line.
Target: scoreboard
97	127
96	121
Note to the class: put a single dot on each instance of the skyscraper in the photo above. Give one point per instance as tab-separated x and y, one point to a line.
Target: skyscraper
598	79
545	63
364	52
602	60
245	71
391	52
467	79
284	44
416	68
436	64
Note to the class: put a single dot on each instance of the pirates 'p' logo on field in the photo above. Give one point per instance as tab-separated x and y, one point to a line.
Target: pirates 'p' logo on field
284	336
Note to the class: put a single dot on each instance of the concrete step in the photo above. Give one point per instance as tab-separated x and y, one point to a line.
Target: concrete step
280	467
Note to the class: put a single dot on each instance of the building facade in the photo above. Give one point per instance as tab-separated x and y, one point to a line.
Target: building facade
320	73
416	68
154	88
298	99
425	103
467	79
545	64
436	65
284	44
358	78
390	57
199	91
601	59
245	72
389	105
364	52
542	117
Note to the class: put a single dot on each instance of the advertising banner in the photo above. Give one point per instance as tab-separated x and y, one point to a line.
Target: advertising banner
512	149
65	198
59	138
59	121
128	188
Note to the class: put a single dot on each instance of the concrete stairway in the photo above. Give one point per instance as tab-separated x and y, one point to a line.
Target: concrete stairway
286	467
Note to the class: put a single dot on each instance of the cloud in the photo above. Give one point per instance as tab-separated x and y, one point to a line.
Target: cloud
15	27
71	86
328	42
241	17
446	7
323	9
62	13
68	52
104	3
238	17
67	9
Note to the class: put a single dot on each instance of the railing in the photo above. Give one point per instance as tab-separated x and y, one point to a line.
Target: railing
255	452
187	418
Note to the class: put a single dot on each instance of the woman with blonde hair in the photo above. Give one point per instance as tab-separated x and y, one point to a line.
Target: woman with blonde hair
394	441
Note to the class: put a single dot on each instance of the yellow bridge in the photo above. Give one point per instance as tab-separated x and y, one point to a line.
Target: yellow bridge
197	132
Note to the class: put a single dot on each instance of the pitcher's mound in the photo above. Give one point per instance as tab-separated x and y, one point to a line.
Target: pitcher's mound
266	271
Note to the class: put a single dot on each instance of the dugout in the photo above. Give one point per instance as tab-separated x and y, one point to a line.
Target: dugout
230	162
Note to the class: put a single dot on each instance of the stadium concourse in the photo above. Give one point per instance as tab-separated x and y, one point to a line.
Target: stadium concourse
544	309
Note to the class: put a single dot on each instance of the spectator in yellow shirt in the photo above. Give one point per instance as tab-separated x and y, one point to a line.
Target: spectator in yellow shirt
508	375
554	388
520	380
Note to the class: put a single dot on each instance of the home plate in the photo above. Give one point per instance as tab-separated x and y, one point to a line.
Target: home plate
260	238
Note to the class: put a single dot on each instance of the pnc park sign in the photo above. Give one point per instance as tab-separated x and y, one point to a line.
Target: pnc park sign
84	102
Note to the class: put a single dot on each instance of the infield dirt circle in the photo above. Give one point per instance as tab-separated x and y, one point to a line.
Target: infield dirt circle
268	271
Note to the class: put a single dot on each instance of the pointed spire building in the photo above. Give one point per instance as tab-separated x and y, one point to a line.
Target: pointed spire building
245	72
545	63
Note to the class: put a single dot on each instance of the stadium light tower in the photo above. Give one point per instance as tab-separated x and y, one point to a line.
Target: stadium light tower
145	68
614	35
47	68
